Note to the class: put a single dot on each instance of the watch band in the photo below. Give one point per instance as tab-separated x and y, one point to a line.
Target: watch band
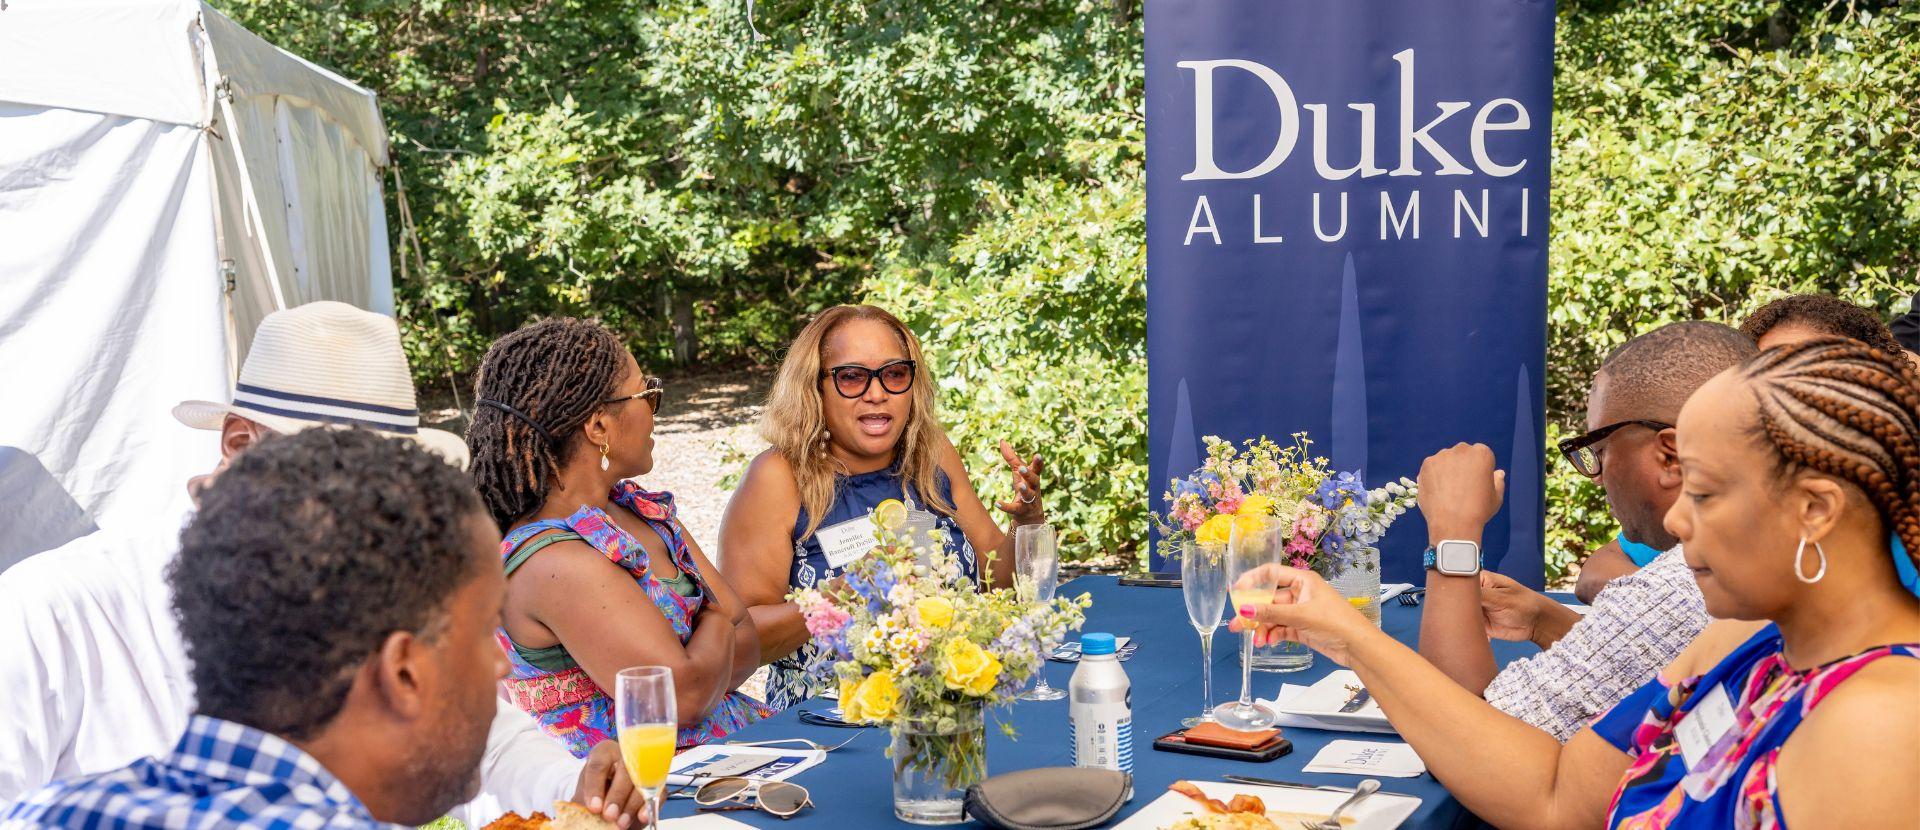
1426	559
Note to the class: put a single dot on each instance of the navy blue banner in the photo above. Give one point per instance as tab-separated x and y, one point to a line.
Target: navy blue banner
1346	234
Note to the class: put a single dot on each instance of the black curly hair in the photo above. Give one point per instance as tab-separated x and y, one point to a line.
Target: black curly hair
305	554
537	386
1826	314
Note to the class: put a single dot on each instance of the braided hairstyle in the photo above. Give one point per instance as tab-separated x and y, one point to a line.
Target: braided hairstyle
553	374
1848	410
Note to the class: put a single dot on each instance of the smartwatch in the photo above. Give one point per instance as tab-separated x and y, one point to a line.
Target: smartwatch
1453	557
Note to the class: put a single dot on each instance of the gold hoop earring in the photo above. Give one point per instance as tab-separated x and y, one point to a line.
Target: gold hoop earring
1801	574
604	447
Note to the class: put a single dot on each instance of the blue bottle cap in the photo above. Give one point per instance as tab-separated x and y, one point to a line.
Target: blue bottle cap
1097	643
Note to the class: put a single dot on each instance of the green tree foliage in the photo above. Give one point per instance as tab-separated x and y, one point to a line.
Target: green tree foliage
704	182
1711	156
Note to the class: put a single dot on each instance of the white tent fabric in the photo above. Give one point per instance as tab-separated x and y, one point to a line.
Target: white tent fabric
167	178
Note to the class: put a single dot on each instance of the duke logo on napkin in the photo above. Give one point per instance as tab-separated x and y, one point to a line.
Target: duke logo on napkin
1392	759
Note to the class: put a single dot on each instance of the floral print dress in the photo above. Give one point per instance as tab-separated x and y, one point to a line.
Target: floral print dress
1734	784
548	684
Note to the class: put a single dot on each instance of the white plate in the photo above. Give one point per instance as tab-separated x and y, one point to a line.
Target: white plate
1382	811
1322	701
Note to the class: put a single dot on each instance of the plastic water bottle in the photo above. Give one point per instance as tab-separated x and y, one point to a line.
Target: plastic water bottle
1101	711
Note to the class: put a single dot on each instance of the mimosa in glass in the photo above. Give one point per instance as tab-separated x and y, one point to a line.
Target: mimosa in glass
643	705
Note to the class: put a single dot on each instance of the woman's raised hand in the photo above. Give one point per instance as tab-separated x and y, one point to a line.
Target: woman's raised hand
1025	506
1305	609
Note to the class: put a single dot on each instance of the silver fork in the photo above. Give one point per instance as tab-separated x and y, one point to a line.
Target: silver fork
1332	821
810	744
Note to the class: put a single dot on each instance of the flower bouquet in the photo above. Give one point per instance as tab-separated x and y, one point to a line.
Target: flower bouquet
1334	521
918	648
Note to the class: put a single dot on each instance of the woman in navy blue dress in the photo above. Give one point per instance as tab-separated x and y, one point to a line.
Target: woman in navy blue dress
852	425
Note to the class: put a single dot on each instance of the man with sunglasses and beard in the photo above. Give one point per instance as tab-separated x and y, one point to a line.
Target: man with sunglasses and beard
1643	619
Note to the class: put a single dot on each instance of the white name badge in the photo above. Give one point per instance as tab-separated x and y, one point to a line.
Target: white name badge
1703	726
846	542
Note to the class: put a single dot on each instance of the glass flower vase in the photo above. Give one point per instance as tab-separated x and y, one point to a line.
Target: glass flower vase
936	757
1359	582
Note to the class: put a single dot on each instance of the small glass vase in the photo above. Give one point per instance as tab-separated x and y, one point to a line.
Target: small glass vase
935	760
1282	657
1360	583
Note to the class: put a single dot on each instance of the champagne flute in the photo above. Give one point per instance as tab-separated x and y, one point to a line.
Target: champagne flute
1036	562
1203	579
1248	547
643	707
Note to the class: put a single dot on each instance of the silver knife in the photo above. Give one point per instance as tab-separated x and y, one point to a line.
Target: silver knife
1269	782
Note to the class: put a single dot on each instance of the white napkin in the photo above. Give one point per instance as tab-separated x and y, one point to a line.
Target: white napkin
1288	691
1394	589
703	821
1392	759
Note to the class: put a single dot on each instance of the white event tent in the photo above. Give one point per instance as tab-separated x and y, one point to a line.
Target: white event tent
167	178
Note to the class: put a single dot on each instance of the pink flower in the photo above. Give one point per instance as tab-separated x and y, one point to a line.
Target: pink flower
826	620
1311	522
1299	562
1300	545
1230	504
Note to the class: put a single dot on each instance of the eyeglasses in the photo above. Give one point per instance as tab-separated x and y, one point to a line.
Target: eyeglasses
853	381
653	393
780	798
1580	451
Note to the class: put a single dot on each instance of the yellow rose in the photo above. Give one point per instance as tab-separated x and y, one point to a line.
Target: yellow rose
964	664
1215	531
874	701
849	689
982	683
935	612
1250	524
1256	505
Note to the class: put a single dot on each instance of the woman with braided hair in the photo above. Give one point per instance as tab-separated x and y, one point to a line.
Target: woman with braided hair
852	426
564	420
1801	471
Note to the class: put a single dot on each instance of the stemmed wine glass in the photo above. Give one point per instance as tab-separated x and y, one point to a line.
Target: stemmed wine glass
1203	579
1249	546
1036	562
644	712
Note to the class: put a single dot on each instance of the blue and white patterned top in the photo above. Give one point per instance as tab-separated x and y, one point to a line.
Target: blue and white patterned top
848	534
221	774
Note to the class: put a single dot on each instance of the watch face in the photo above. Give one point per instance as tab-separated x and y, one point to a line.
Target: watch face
1454	557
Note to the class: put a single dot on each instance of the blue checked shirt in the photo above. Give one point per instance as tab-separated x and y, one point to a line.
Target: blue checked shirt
221	774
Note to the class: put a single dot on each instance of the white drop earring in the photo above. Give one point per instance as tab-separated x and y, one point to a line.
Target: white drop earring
1801	574
604	448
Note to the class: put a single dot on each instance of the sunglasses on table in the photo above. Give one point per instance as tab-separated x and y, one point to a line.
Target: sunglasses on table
653	393
780	798
1585	457
853	380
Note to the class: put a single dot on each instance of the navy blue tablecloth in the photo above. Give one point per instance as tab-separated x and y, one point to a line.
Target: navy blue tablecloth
854	787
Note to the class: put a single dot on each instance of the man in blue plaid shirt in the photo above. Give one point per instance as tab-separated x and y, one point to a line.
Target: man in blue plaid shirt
338	593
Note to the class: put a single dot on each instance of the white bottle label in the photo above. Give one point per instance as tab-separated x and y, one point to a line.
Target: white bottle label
1102	734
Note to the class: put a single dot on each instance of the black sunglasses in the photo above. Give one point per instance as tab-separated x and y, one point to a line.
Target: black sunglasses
1580	451
853	381
653	393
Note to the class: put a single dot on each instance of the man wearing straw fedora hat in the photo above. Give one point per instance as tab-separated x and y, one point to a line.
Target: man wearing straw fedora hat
92	672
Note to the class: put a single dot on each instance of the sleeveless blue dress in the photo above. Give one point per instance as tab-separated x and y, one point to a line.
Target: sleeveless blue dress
1733	784
854	499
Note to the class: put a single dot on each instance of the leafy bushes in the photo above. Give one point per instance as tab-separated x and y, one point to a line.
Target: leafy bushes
976	167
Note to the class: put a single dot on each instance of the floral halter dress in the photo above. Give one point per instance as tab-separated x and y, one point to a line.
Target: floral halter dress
548	684
1733	783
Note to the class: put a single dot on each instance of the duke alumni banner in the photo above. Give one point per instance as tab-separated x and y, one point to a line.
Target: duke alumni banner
1346	235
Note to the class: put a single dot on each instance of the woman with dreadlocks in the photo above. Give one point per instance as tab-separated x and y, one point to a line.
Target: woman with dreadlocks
852	426
564	419
1799	513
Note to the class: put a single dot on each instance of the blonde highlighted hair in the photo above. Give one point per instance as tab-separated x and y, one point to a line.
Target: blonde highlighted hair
795	420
